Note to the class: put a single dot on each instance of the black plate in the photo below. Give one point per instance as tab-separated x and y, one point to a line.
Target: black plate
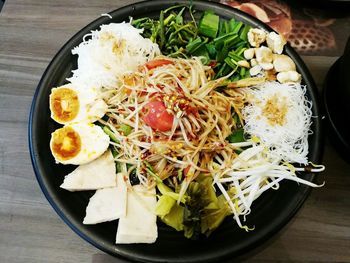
334	98
269	213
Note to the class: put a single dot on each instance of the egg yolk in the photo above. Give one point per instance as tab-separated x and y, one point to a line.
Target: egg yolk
64	104
66	143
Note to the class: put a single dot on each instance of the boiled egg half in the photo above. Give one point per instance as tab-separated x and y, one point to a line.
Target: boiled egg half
78	143
70	104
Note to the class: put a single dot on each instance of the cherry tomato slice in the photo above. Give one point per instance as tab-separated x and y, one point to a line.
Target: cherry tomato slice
157	117
157	63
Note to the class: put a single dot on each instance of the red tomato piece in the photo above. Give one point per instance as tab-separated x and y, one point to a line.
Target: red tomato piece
158	63
186	170
157	117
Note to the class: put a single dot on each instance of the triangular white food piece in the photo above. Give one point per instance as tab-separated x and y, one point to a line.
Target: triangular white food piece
140	223
98	174
107	204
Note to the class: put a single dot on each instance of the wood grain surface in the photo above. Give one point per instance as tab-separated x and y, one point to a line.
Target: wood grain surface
31	32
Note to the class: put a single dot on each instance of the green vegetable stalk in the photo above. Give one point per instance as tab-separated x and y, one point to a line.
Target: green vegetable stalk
217	41
110	134
150	170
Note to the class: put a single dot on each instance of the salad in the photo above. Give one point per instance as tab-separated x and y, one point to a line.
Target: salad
180	122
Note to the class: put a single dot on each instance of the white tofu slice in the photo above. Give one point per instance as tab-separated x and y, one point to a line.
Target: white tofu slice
100	173
107	204
140	223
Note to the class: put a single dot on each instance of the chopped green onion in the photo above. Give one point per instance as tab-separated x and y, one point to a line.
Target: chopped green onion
229	61
242	72
230	41
209	24
231	24
110	134
211	50
237	27
118	167
244	33
227	27
125	129
151	172
222	29
219	41
114	152
233	55
194	45
222	54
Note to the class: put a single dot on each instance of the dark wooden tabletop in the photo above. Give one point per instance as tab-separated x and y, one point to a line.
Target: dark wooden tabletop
31	32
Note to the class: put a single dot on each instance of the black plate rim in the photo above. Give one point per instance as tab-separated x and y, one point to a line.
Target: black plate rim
257	240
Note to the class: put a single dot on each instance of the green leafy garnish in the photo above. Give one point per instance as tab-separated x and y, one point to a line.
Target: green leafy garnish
217	41
236	136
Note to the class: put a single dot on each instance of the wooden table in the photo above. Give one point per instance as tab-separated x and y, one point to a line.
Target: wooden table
31	32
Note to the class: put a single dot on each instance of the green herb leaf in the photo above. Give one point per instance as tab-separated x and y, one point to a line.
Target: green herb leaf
236	136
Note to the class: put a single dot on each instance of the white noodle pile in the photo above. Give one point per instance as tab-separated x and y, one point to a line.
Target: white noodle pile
288	141
113	50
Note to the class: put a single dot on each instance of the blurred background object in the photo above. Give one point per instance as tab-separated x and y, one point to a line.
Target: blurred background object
336	97
274	13
1	3
310	38
310	30
323	4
